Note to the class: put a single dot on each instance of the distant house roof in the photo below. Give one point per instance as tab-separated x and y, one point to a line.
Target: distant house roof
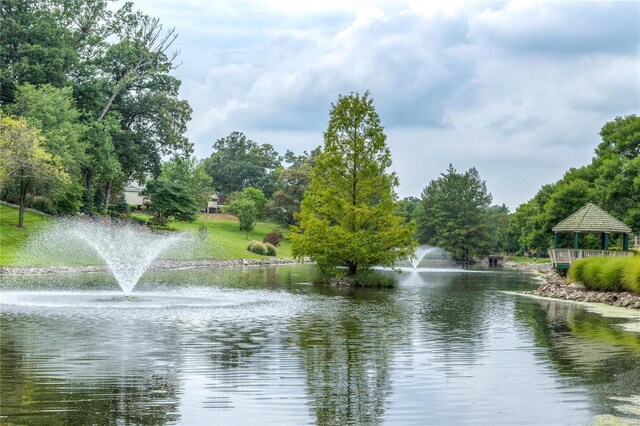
592	218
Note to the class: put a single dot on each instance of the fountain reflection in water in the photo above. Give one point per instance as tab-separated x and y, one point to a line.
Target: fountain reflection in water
436	256
127	249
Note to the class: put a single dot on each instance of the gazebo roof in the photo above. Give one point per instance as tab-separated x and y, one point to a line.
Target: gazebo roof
592	218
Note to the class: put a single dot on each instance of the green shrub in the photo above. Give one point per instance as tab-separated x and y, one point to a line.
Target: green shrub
608	274
158	220
326	277
271	249
274	237
42	204
138	220
158	227
257	247
372	279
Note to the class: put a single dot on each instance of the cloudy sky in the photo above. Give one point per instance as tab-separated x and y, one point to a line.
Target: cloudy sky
517	89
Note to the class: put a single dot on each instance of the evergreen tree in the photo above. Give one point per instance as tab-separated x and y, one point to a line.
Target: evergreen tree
122	206
454	214
348	215
87	203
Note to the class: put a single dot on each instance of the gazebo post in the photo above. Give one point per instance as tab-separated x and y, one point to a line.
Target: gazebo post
625	242
555	240
576	237
605	242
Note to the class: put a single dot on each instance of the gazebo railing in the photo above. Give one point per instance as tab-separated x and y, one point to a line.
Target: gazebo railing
566	256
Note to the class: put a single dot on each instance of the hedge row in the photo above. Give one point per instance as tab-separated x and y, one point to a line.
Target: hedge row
608	274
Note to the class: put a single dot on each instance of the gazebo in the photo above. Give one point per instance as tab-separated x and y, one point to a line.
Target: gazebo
590	219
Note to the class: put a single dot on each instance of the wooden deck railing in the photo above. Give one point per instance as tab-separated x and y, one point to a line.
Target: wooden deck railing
563	256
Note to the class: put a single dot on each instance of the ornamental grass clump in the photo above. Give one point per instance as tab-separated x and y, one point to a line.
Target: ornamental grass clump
271	249
576	272
631	274
372	279
608	274
257	247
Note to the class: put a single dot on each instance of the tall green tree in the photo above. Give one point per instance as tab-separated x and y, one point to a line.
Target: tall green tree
348	215
617	169
53	111
141	55
286	200
408	208
612	181
454	214
35	47
190	174
25	161
117	62
238	163
291	184
498	221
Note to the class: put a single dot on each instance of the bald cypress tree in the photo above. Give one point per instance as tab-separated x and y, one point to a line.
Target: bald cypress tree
348	214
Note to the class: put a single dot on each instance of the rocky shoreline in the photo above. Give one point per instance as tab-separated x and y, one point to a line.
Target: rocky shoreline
558	287
156	266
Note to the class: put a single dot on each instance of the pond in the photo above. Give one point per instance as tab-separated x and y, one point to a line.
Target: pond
262	346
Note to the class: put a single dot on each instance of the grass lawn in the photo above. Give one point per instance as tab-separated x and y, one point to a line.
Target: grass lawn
224	238
13	238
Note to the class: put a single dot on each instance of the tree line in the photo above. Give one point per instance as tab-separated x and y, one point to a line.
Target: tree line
93	87
89	102
455	210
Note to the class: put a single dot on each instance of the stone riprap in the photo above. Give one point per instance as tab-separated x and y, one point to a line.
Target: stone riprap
158	265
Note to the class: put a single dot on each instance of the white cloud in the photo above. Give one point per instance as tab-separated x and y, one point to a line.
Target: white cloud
517	89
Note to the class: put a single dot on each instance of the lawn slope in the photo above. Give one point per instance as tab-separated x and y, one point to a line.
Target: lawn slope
12	238
224	240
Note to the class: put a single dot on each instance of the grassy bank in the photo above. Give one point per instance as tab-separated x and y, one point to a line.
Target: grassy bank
223	240
12	238
608	274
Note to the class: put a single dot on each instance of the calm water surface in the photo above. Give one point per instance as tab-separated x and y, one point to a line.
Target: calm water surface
260	346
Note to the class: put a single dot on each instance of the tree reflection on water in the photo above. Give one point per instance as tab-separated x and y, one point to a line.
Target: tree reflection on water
585	348
347	354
